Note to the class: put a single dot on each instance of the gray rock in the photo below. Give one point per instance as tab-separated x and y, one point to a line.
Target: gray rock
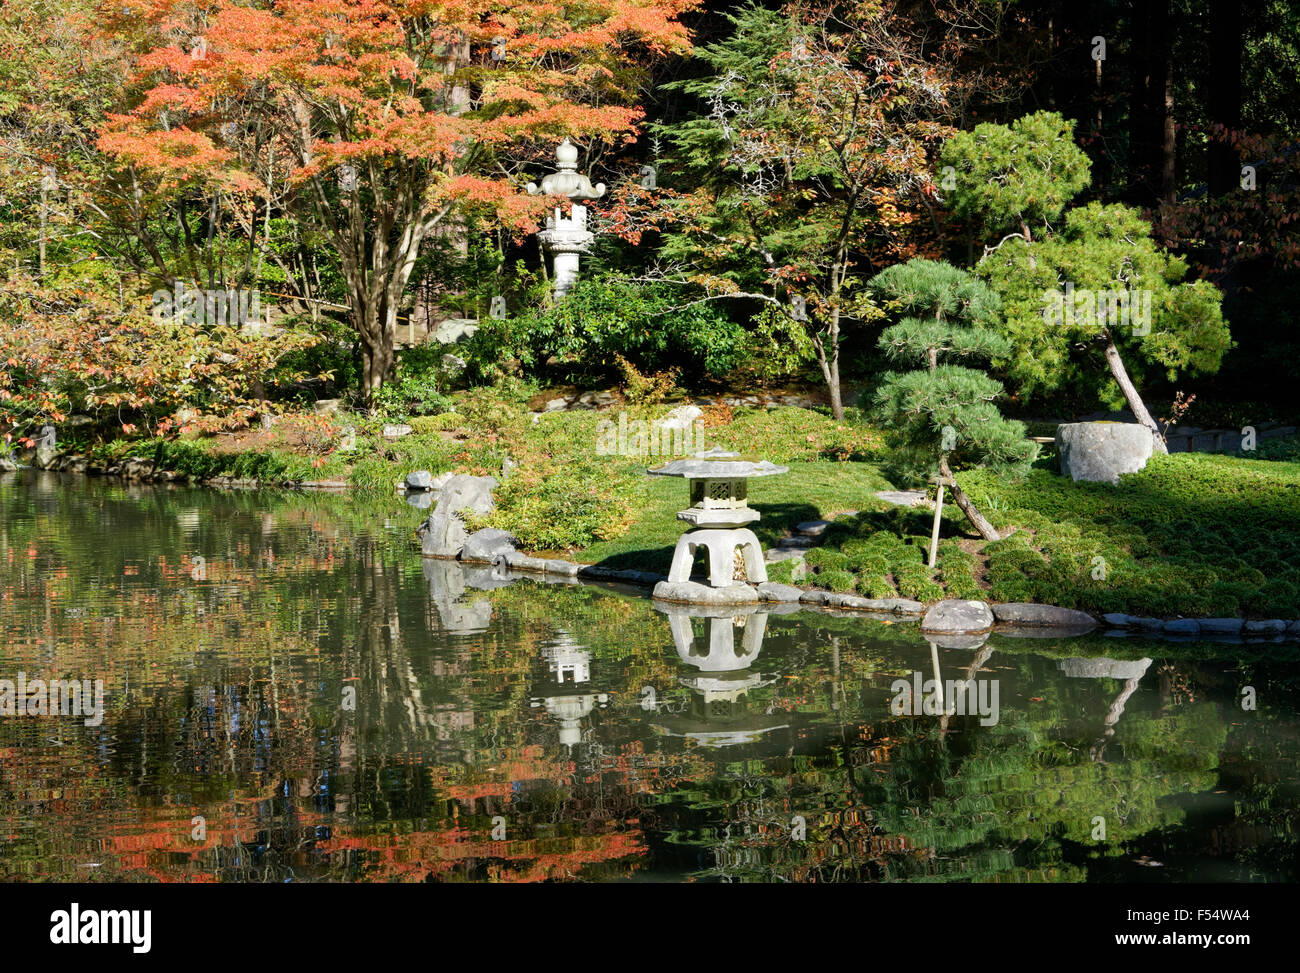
557	405
1116	619
1146	624
443	534
1103	668
451	330
326	407
1047	616
597	572
679	418
348	439
45	457
898	606
419	480
1100	451
7	463
488	544
1268	626
507	466
397	431
1183	626
795	543
692	592
773	591
1220	626
812	528
957	617
774	554
903	498
541	565
1293	630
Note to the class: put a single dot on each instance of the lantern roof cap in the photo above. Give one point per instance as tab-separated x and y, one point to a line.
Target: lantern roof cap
717	464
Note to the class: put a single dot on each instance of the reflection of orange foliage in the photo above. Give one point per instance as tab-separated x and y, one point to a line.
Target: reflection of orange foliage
425	855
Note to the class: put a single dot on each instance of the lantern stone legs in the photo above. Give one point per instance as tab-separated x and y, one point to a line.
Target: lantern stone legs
721	546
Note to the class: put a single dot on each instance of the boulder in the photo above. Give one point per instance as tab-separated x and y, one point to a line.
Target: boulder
680	418
904	498
1100	451
1045	616
812	528
397	431
1268	626
7	463
488	544
327	407
419	480
451	330
774	591
444	534
45	457
1183	626
692	592
958	617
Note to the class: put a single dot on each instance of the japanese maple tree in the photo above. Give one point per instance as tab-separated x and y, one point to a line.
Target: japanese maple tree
376	122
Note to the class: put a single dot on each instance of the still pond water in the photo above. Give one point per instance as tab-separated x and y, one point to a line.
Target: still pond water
291	694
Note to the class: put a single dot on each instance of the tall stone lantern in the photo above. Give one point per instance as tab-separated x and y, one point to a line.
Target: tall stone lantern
567	237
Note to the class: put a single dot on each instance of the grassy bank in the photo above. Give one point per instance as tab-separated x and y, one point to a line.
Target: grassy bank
1192	534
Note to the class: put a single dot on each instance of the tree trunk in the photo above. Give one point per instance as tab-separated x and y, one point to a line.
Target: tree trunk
1131	395
986	530
837	403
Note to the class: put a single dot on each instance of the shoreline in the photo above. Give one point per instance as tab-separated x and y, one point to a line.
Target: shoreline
1231	630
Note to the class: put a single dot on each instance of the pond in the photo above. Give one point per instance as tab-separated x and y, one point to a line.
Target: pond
290	693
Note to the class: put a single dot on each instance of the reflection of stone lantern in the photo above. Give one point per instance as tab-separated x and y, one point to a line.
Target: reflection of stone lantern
1131	671
720	714
568	699
567	237
719	510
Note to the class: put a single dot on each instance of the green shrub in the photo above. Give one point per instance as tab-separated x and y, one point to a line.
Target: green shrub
782	572
835	579
826	559
876	586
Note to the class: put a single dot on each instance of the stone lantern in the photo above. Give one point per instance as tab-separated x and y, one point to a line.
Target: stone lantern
720	509
567	237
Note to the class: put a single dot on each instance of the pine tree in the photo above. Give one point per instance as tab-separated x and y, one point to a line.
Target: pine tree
942	415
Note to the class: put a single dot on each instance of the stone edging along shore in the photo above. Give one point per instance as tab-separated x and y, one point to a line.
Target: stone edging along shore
949	617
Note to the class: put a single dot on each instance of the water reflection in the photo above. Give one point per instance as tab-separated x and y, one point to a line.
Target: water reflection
319	703
719	713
